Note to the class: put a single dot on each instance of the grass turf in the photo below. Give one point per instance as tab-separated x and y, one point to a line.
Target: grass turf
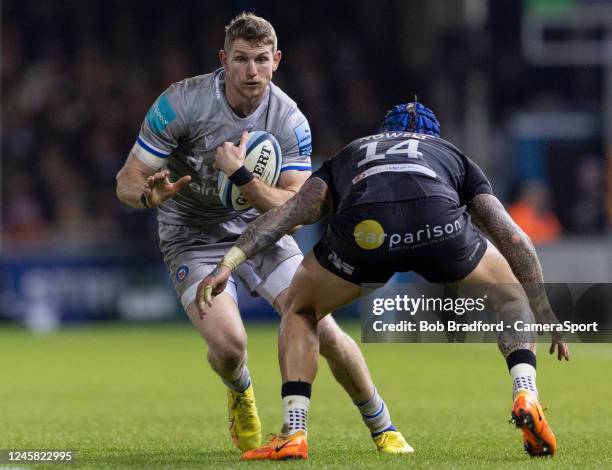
143	397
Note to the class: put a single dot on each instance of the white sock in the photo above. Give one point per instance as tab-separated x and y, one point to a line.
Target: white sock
375	414
241	383
296	414
524	378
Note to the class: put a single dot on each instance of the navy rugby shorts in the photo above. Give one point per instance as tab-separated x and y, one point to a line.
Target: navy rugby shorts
433	237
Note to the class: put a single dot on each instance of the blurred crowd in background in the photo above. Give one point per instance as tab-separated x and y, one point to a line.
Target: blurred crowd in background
79	76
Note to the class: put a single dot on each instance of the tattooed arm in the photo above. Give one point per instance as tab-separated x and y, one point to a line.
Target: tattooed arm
310	204
491	217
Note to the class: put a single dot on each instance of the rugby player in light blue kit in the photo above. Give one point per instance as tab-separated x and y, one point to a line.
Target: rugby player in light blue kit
173	167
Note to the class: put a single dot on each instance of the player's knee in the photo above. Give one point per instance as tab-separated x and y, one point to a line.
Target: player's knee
228	356
514	305
508	297
307	312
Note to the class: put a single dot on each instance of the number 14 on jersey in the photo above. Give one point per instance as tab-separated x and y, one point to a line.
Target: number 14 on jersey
409	148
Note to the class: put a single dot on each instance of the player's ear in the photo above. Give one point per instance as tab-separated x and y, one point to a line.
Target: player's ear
276	58
223	58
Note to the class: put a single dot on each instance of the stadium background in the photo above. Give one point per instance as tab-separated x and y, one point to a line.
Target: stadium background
524	88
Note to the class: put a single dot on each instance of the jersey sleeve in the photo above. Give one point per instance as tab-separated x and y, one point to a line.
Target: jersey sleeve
296	143
163	125
475	182
326	174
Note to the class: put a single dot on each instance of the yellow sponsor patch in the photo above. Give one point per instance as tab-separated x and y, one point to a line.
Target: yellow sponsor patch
369	234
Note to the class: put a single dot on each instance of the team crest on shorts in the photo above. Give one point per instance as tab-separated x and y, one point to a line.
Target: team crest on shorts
181	273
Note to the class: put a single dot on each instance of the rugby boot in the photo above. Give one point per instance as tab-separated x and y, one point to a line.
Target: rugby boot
392	442
527	415
244	425
294	446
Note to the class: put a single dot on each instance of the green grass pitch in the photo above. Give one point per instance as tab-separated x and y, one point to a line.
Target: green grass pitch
143	397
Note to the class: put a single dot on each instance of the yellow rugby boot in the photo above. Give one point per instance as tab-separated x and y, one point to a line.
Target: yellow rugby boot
244	424
294	446
392	442
527	415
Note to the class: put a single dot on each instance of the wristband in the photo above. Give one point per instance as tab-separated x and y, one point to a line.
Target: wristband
145	201
233	258
241	176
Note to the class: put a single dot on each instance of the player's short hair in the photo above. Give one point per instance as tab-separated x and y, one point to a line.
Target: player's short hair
251	28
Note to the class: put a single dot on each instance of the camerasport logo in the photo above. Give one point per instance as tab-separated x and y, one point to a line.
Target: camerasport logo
181	273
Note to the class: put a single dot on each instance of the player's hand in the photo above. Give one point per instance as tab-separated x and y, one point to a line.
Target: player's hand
561	347
158	187
211	286
229	157
544	314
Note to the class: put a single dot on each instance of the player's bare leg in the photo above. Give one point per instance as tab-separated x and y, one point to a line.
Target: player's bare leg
344	357
223	331
510	300
345	360
313	293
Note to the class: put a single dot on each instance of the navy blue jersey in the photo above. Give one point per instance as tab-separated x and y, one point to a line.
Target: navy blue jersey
401	166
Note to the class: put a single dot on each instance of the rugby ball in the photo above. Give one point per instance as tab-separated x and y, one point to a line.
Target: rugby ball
263	159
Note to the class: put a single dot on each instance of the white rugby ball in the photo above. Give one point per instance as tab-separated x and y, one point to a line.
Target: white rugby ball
263	159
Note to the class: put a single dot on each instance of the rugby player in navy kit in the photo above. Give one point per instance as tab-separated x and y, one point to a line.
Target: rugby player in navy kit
400	200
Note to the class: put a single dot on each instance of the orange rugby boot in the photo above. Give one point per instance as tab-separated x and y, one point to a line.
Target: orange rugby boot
527	415
294	446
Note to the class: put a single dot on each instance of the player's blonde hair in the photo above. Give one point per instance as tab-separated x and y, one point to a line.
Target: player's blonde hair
251	28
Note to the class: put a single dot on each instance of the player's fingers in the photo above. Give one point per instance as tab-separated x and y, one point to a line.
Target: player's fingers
566	352
178	185
198	299
208	295
244	138
157	179
161	175
201	300
220	153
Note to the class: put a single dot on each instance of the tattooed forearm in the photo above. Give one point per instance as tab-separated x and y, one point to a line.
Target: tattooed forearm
491	217
310	204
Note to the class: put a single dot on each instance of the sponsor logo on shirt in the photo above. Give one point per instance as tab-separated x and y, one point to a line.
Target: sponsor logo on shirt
160	115
304	138
370	235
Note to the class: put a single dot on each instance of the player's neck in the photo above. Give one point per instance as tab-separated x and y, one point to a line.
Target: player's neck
241	105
